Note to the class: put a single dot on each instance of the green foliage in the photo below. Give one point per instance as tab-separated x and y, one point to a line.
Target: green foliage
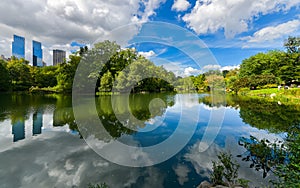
215	82
143	75
43	77
263	154
217	175
66	73
283	159
284	66
19	72
292	44
200	82
225	171
5	79
106	82
289	173
186	84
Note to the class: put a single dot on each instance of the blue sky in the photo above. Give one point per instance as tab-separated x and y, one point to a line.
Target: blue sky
229	51
231	29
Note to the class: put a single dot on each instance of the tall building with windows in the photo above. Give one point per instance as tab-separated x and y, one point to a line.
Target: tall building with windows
18	47
58	56
37	54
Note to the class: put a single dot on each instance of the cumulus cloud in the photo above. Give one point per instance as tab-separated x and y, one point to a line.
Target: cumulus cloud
191	71
67	161
180	5
61	22
182	173
148	55
209	16
211	67
229	67
274	32
181	70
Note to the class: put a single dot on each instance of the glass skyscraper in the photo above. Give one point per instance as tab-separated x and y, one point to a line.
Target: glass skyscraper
18	47
37	54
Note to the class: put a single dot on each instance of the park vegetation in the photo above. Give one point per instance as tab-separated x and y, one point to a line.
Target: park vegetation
18	75
116	68
267	70
121	70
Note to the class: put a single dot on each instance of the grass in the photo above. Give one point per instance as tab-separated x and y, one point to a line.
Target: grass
284	96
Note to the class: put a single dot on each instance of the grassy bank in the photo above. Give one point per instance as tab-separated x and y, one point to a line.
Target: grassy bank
283	96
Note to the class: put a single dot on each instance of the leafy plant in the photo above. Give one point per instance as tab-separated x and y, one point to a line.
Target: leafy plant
283	159
263	154
289	173
225	171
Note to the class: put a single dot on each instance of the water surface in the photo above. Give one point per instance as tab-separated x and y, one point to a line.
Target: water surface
42	145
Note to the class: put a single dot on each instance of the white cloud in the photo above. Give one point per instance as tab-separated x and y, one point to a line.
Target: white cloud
61	22
148	55
150	6
274	32
209	16
230	67
181	70
180	5
67	161
191	71
182	173
211	67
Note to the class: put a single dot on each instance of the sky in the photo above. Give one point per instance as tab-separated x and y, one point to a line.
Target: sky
231	30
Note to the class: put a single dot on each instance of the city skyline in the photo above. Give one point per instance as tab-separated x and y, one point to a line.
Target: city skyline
18	51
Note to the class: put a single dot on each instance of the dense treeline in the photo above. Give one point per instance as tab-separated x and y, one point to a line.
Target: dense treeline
18	75
268	69
121	68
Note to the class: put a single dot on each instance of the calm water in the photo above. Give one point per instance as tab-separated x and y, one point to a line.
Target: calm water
41	145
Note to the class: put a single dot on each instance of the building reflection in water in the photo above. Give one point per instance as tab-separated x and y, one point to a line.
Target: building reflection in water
18	126
18	130
37	123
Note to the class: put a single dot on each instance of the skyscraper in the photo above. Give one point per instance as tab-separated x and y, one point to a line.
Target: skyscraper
18	47
37	54
58	56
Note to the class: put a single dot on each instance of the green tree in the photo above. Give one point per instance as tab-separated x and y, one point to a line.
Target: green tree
66	73
292	44
44	76
5	80
19	71
106	82
200	82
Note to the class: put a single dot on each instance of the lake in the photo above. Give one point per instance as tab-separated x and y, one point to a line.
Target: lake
141	140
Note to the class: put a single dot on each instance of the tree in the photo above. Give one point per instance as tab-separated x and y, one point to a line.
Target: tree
5	80
215	82
143	75
44	76
292	44
66	73
284	66
106	82
199	82
19	71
